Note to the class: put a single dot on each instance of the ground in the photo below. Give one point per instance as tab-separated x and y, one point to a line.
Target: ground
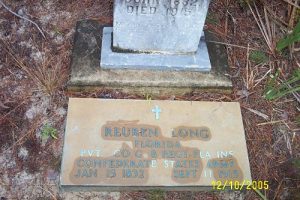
33	96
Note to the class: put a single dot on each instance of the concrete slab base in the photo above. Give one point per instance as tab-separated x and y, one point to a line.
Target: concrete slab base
88	75
152	61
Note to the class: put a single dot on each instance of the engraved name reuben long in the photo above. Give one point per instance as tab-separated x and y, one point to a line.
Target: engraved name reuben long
127	129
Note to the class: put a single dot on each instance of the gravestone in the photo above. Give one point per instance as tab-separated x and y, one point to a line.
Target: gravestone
155	47
138	144
167	26
156	34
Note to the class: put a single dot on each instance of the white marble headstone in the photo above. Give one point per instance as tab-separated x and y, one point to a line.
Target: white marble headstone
165	26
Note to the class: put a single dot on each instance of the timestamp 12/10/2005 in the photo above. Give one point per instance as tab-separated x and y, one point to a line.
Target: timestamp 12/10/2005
240	185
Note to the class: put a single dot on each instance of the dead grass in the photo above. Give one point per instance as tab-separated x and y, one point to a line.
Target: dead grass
48	77
266	26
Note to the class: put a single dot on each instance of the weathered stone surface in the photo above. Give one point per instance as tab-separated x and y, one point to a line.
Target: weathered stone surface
86	73
122	60
167	26
137	144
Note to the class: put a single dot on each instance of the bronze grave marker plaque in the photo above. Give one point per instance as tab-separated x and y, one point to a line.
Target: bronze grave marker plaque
138	144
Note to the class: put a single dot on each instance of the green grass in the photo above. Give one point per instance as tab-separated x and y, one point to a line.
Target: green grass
211	18
275	90
156	195
298	120
49	131
244	3
260	194
258	57
289	39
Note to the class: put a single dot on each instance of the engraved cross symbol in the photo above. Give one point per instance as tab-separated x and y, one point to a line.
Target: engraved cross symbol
157	111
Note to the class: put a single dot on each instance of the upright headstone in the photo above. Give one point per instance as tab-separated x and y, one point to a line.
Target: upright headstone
154	47
157	34
167	26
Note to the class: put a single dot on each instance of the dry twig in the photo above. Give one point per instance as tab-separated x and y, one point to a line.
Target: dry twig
266	117
270	123
26	19
235	45
247	69
266	27
261	79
